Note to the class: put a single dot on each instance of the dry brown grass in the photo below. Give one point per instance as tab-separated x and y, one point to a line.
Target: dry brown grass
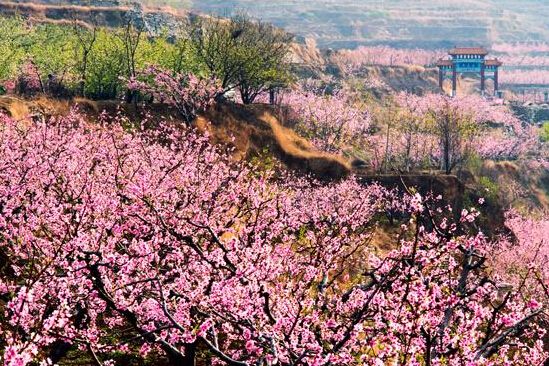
19	108
15	107
252	129
42	8
307	53
520	186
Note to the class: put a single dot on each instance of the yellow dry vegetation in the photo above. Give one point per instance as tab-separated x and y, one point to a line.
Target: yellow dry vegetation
252	129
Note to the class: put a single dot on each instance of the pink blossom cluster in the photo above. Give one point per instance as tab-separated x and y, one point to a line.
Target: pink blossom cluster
523	260
386	56
501	145
332	121
525	77
154	242
188	93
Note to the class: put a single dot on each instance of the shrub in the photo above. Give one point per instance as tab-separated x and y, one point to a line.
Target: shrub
12	52
28	82
106	67
545	132
488	189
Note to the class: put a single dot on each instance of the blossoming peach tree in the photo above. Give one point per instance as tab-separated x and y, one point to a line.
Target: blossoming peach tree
524	257
445	131
188	93
154	243
333	122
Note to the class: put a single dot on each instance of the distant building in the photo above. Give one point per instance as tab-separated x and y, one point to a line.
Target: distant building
469	60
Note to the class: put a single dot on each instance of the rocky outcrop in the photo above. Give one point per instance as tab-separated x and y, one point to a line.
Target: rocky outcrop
112	13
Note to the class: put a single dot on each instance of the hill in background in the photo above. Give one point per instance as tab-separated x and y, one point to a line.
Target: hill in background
401	23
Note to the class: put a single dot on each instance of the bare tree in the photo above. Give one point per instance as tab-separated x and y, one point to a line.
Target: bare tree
131	35
86	36
453	128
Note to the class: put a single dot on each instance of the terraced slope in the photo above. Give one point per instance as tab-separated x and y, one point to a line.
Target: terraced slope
401	23
408	23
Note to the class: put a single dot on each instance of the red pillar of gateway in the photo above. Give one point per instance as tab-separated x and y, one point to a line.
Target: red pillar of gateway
454	80
496	83
482	79
440	78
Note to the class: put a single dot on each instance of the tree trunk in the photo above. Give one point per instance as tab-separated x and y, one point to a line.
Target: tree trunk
189	359
190	354
130	96
59	350
447	156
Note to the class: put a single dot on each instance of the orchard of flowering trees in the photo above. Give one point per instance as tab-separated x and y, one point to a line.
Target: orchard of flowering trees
121	243
459	127
155	244
386	56
526	77
521	47
410	132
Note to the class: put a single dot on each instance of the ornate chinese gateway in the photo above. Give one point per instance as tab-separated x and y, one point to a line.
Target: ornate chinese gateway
469	60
